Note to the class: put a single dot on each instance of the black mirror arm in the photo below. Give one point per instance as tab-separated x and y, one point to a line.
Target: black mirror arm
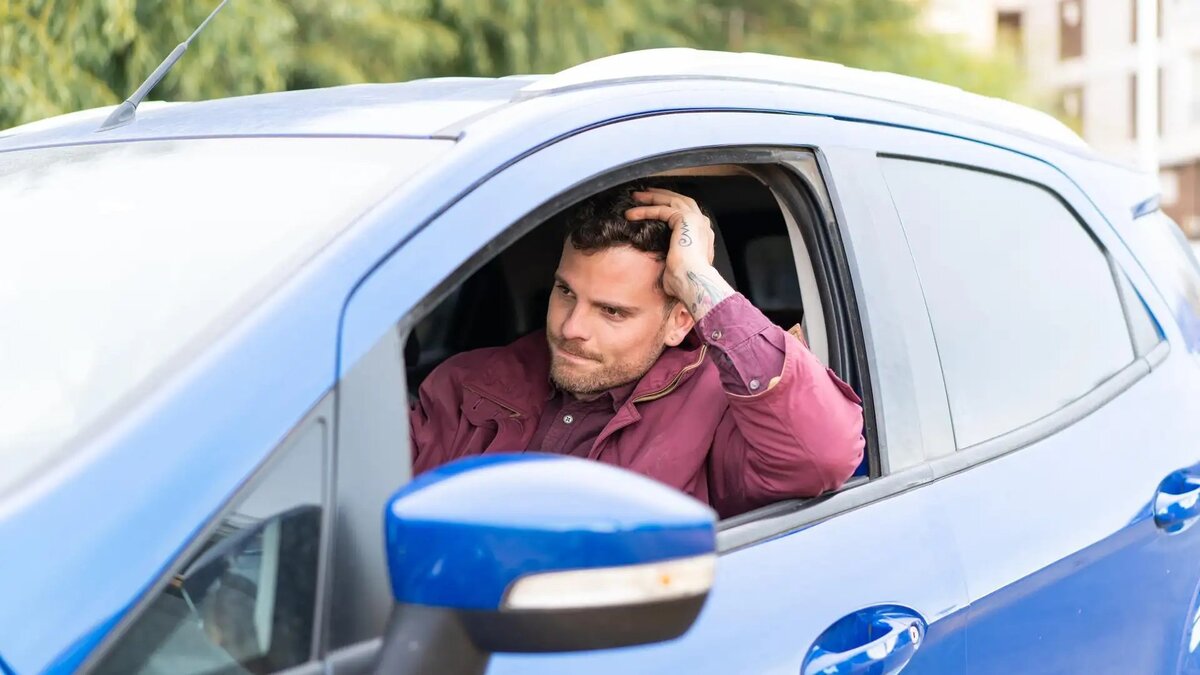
422	639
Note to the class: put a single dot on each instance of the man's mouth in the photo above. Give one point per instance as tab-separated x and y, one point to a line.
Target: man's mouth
573	355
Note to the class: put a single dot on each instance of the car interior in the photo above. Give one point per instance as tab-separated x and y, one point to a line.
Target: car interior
506	298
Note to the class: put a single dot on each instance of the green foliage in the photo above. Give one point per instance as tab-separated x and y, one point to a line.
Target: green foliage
62	55
503	37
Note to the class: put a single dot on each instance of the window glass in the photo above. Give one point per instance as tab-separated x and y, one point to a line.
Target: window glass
114	257
245	602
1175	270
1142	327
1024	307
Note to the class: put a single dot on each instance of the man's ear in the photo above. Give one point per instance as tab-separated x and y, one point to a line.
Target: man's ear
679	324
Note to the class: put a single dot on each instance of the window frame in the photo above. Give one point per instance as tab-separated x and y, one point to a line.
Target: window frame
795	176
322	414
1142	363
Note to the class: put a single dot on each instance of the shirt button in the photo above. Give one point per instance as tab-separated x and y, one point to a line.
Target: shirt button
754	385
567	419
716	335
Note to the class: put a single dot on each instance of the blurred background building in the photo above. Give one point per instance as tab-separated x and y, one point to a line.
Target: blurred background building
1081	61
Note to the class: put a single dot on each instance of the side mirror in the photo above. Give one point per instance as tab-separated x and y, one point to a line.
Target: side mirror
539	553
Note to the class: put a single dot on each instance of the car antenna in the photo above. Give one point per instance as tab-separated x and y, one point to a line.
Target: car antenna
125	112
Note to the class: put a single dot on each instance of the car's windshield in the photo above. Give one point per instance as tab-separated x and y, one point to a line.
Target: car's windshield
114	256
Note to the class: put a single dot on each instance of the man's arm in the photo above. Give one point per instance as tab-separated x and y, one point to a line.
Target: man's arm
797	434
794	429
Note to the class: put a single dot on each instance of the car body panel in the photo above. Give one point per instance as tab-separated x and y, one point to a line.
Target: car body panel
769	602
1059	546
1121	595
416	109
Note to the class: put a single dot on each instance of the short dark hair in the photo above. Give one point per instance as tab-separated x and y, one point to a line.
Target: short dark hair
598	223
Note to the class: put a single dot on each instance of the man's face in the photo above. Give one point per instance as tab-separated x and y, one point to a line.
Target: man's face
608	319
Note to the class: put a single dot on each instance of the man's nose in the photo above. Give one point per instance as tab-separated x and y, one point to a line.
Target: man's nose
574	326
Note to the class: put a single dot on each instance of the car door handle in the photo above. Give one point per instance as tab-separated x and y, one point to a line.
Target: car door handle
1177	503
876	640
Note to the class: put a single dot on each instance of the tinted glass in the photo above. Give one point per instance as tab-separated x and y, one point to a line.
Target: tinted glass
1024	306
115	257
245	602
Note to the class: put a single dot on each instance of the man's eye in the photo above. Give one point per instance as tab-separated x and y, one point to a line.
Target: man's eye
612	311
563	289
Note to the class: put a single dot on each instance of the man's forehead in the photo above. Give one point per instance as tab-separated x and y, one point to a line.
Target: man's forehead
616	271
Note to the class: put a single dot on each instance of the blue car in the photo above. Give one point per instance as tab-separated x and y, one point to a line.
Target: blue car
214	315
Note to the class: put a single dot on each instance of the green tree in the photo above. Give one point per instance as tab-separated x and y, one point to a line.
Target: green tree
57	56
503	37
62	55
368	41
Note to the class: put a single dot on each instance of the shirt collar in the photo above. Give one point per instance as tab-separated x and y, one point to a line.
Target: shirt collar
616	396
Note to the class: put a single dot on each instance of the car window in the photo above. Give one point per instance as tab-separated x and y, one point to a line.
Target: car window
1142	326
1023	303
115	257
501	298
1176	272
245	602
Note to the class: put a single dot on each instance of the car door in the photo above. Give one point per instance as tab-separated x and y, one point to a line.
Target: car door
867	576
1072	490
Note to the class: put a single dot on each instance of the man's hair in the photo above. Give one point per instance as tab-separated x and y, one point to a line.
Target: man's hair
598	223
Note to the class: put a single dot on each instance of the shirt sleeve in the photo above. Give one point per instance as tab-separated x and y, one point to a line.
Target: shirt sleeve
750	350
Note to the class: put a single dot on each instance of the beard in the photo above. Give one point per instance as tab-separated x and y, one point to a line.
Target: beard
599	374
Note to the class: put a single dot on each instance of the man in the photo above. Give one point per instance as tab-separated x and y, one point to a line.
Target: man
652	362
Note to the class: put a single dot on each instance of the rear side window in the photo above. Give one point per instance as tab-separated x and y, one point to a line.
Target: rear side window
1173	267
1023	301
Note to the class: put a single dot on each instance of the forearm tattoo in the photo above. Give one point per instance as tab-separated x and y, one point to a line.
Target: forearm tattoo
705	294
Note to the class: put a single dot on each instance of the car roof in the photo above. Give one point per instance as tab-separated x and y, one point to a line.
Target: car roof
682	64
443	107
421	108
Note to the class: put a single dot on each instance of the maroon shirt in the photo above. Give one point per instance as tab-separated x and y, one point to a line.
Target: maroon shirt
679	425
749	352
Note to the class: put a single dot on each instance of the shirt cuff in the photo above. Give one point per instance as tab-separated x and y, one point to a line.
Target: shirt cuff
750	350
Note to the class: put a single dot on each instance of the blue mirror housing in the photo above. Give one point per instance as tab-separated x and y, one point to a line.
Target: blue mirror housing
532	552
460	535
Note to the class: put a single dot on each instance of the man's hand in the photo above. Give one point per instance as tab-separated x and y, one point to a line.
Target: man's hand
689	273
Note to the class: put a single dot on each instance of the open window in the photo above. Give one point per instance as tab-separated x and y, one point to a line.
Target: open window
506	297
779	246
774	245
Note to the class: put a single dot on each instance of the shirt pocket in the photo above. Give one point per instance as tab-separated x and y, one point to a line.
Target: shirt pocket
484	425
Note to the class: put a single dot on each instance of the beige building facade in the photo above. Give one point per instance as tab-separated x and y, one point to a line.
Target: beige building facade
1082	57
